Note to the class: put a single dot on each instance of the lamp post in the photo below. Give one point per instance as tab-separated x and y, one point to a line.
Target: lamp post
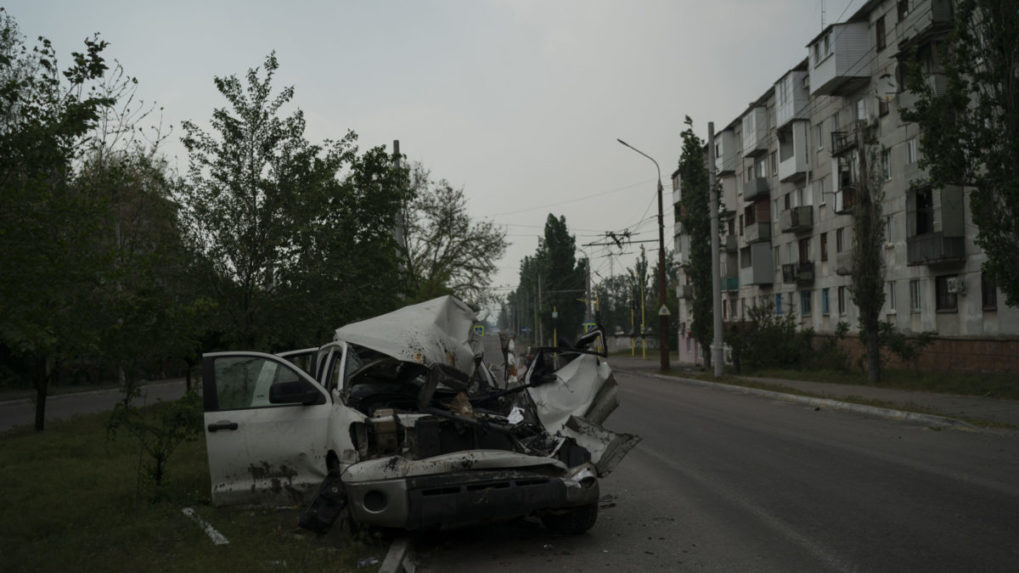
663	311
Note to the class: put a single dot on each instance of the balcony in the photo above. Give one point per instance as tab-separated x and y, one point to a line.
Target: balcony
798	273
759	268
791	98
845	200
730	284
758	232
838	59
934	248
797	219
844	263
755	132
725	153
730	243
843	141
756	188
792	151
921	21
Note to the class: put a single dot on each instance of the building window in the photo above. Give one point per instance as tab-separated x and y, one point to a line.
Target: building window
879	30
805	303
861	109
777	260
774	163
819	135
838	240
945	293
842	300
988	293
827	44
911	151
778	305
805	250
886	164
882	107
915	296
824	247
762	168
891	296
825	304
924	211
889	225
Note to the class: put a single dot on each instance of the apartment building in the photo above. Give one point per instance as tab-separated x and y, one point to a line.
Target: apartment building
789	169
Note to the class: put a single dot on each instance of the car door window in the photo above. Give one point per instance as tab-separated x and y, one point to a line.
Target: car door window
243	381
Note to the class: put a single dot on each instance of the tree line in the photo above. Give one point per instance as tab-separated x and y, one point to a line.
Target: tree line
114	266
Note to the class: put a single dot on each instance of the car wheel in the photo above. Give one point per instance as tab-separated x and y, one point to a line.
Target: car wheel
572	521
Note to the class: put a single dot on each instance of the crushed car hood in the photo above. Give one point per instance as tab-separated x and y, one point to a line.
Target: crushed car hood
437	331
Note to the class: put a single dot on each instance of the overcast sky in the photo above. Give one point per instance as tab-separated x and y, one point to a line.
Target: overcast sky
519	102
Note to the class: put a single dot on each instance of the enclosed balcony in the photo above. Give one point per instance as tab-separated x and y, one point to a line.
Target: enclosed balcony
844	263
730	284
755	131
934	248
791	97
843	140
796	220
758	232
798	273
792	151
756	188
838	59
756	265
730	243
920	21
725	153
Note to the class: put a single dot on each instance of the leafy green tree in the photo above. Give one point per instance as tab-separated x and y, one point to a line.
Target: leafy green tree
970	129
300	249
555	272
50	268
445	251
868	274
696	221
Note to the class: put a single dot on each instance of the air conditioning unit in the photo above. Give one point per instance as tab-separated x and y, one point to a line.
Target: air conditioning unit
955	285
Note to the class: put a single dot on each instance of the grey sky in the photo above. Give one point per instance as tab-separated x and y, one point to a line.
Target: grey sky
520	102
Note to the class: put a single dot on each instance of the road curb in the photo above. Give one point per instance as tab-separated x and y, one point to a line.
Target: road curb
881	412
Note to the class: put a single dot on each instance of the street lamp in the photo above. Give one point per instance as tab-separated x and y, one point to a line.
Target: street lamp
663	311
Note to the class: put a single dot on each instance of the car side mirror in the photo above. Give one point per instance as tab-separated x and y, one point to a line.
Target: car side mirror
296	392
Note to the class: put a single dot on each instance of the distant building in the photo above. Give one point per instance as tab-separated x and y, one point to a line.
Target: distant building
788	167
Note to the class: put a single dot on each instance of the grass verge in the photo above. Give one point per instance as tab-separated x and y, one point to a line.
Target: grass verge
72	501
773	387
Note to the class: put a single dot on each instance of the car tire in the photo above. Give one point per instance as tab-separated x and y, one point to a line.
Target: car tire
573	521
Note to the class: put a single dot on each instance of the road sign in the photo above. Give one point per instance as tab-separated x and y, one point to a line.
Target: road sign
479	329
589	326
664	311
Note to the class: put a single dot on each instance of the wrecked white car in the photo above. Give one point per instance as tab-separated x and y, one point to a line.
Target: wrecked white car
399	421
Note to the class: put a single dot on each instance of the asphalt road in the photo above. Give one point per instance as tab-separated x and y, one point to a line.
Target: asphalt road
63	406
729	482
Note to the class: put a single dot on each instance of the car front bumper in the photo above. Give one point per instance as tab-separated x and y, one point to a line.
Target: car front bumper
456	499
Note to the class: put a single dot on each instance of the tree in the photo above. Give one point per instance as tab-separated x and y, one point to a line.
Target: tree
696	221
445	251
267	208
50	268
970	125
868	276
554	276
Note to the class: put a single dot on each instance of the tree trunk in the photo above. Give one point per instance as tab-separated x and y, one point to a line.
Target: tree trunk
706	350
873	354
42	380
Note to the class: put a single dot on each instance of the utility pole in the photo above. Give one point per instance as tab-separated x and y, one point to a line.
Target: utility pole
663	311
587	297
716	278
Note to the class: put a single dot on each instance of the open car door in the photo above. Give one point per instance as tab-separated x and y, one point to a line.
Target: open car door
266	426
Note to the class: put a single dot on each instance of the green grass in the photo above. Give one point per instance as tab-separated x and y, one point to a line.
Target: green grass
986	385
811	376
72	502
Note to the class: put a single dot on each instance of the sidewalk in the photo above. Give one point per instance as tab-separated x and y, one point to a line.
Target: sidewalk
949	405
